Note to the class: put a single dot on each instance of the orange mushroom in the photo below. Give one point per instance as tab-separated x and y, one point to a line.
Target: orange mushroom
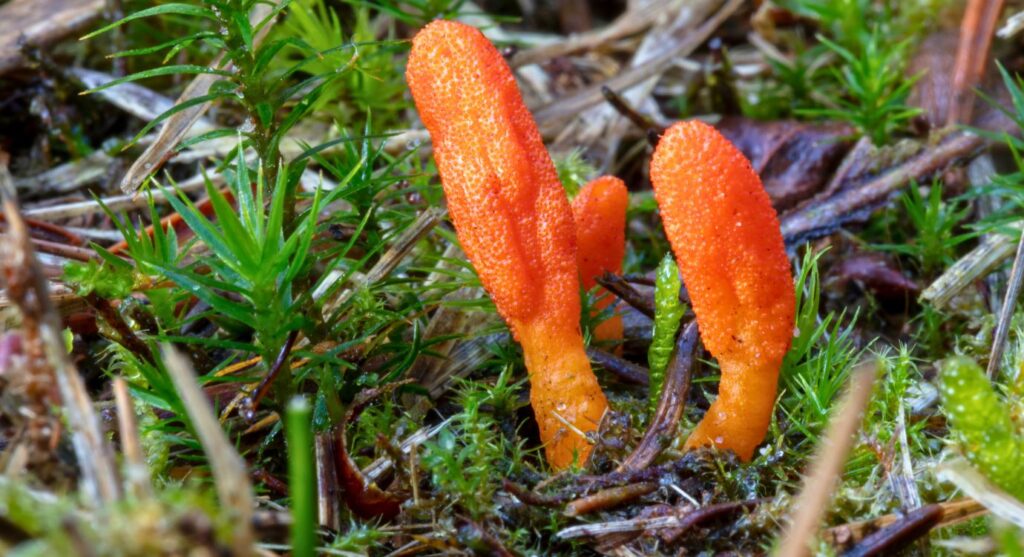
726	238
513	220
599	211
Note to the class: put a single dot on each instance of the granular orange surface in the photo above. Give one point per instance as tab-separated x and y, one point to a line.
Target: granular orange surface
513	220
726	238
599	211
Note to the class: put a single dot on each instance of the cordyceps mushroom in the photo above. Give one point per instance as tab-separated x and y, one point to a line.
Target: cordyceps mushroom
513	220
726	238
599	211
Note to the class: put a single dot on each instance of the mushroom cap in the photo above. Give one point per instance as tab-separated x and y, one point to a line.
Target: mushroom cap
599	211
509	208
726	237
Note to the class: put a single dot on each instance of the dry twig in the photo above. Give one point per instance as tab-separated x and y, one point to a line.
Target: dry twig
989	254
619	367
572	105
995	357
972	56
670	405
975	485
40	22
896	536
624	291
609	498
684	518
228	468
848	535
639	16
136	471
828	463
822	217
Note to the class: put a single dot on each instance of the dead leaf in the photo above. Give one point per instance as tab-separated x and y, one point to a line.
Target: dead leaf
794	159
858	194
875	274
933	60
40	22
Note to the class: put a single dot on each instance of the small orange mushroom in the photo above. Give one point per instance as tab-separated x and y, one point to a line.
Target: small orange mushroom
726	238
599	211
513	219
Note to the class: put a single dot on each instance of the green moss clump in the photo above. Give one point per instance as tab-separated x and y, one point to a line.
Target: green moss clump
982	422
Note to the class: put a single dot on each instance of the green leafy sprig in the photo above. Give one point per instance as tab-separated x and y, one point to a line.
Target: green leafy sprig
668	312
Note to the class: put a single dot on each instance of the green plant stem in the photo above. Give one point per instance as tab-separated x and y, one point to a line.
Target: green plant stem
667	316
301	476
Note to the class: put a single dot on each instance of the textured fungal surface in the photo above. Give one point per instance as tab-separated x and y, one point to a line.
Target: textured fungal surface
599	211
513	220
727	241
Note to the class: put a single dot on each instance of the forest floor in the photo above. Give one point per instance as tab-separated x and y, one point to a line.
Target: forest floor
300	359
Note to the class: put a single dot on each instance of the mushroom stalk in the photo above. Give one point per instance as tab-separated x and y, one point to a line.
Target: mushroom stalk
726	237
513	220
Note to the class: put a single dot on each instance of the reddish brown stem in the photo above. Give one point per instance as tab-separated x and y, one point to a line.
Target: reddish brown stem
711	512
127	336
251	403
50	229
892	538
362	496
63	250
670	405
972	56
273	483
651	130
623	369
625	292
609	498
531	497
